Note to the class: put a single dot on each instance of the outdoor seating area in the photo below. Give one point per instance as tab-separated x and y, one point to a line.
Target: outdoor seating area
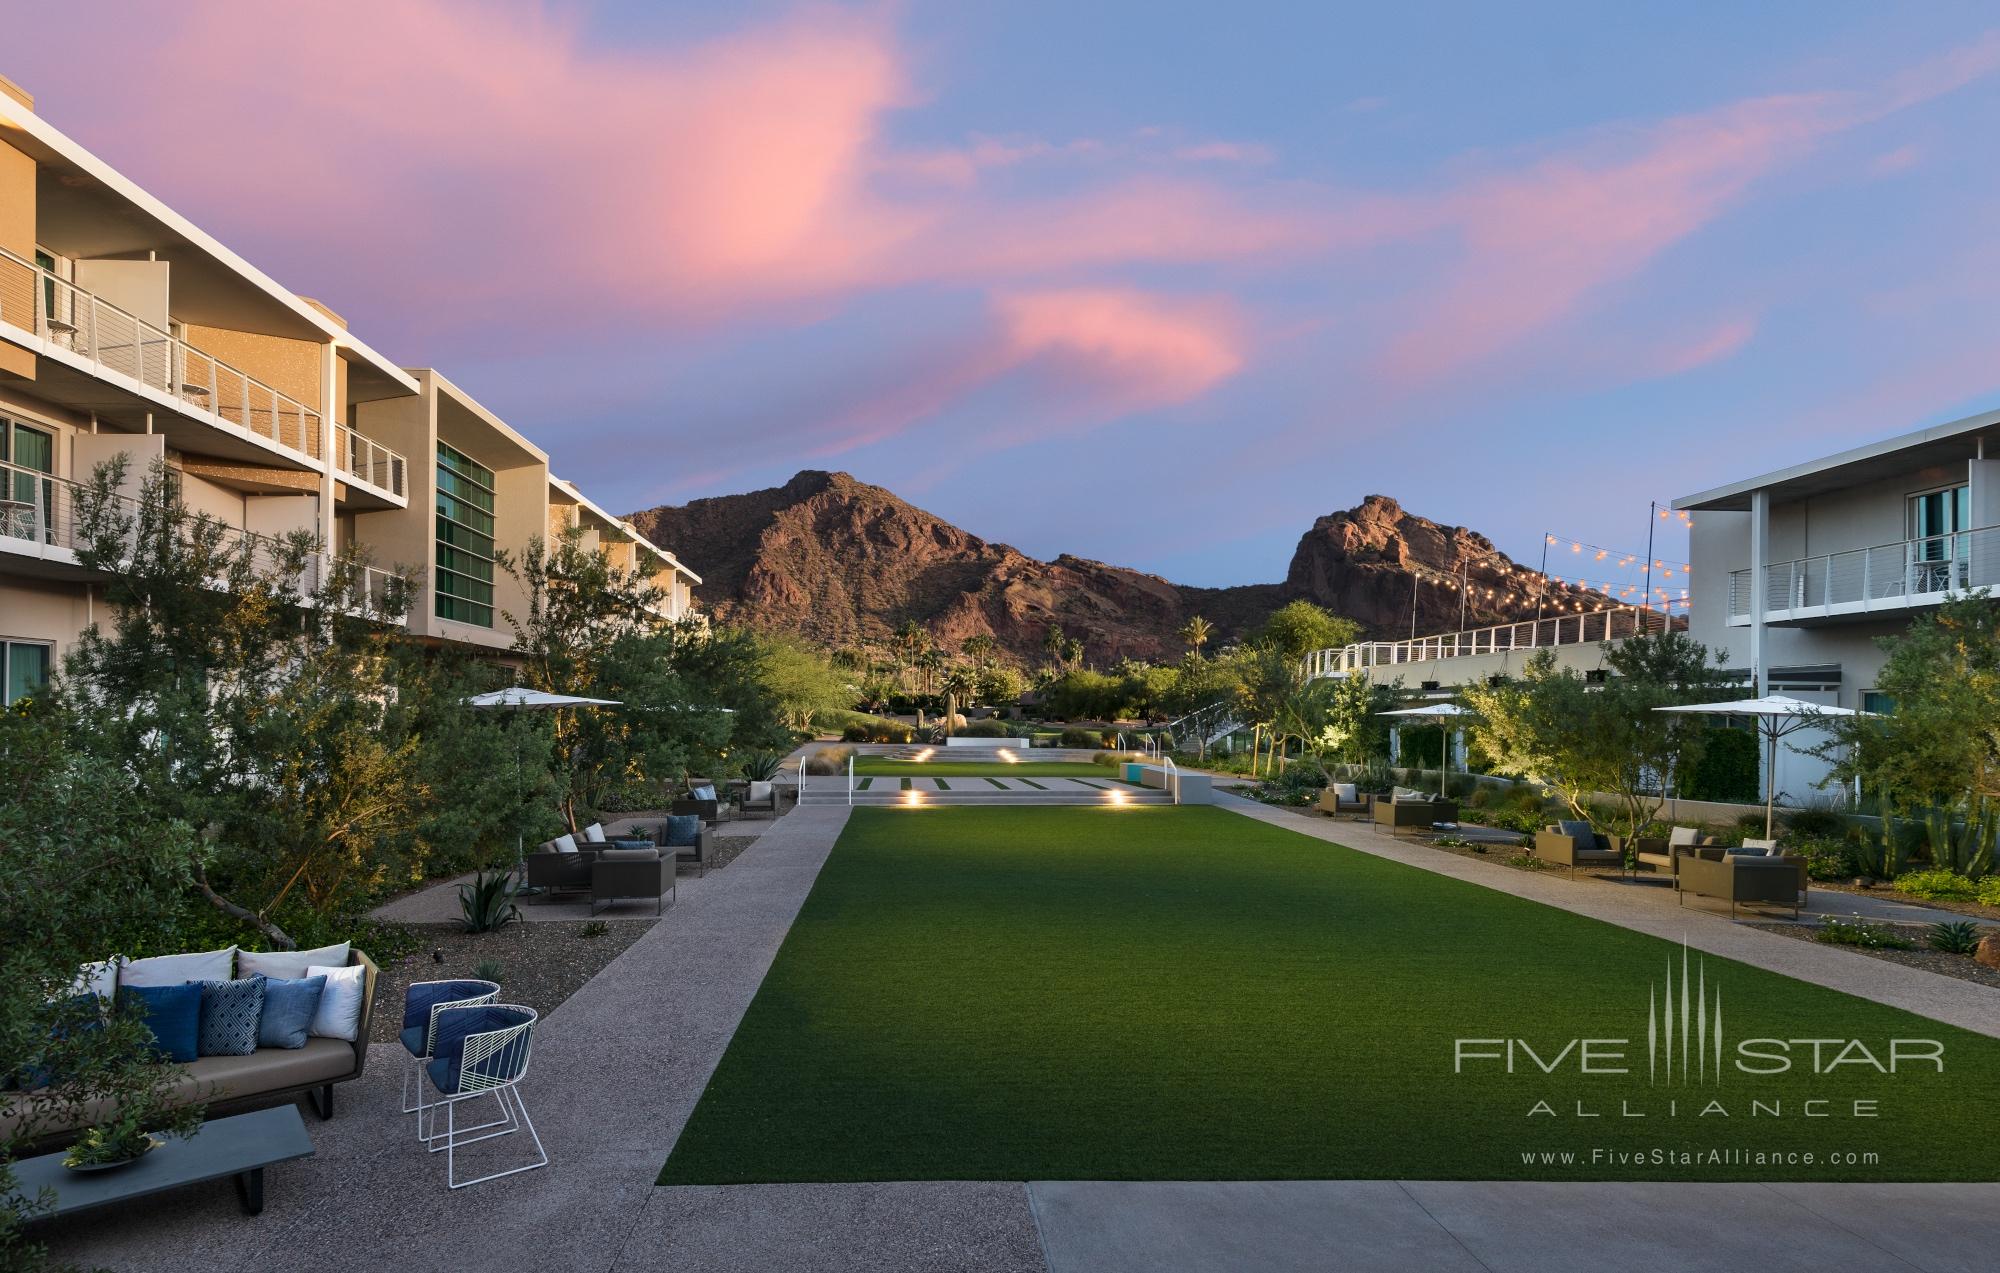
627	860
1404	809
464	1045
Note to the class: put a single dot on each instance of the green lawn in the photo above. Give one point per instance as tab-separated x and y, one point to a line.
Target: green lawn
884	767
1183	993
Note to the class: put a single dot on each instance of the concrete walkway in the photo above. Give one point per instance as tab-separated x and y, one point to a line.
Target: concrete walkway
1652	910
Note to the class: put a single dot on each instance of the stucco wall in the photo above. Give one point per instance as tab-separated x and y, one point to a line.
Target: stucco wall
17	235
291	367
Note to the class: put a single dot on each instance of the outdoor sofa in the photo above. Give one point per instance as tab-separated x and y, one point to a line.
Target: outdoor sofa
1576	843
230	1084
1342	798
1663	856
1413	809
621	874
1741	876
700	854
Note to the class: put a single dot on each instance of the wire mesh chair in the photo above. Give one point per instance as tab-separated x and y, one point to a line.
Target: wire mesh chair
421	1004
481	1051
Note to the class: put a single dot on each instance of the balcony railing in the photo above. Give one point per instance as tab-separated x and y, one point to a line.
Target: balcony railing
39	511
64	315
1590	627
366	460
1894	576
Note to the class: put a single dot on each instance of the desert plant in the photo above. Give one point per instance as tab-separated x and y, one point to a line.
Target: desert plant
829	760
1953	937
1828	858
762	766
1526	862
988	729
489	970
1863	934
854	734
487	903
1944	885
595	928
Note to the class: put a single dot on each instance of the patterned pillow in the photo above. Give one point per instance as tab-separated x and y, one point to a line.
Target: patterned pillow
683	831
229	1014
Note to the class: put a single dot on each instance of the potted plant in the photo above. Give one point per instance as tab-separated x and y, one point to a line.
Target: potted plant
114	1144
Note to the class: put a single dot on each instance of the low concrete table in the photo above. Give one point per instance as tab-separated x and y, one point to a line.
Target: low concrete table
240	1146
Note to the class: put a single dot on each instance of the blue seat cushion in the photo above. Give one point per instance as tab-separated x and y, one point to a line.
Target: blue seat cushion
419	999
173	1014
290	1003
454	1027
683	831
412	1039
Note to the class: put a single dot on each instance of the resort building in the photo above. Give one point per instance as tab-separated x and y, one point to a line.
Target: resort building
126	331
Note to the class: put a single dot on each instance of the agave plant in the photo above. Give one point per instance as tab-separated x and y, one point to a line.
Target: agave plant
762	766
488	902
1955	937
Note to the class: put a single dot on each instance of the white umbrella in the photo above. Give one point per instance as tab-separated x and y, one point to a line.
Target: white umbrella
1776	715
1439	712
521	698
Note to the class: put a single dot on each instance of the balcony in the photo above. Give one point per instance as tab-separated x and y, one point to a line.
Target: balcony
1887	579
42	534
1589	627
74	327
362	461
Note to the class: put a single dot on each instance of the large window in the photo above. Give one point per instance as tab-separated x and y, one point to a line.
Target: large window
1940	549
27	496
464	539
24	668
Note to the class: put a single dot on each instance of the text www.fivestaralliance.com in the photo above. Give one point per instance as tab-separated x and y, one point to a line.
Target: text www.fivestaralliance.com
1712	1157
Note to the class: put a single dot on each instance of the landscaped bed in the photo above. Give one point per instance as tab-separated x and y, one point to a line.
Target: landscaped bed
1161	993
541	962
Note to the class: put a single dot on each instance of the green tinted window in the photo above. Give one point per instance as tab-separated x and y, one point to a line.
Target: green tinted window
464	589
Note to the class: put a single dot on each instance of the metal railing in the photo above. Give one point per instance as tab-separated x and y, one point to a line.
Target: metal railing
37	300
1587	628
1908	572
365	460
40	509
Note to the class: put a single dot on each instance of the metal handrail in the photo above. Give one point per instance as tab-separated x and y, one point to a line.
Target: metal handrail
1890	574
1173	779
364	459
1589	627
36	299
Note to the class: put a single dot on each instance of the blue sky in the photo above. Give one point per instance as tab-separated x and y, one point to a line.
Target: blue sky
1151	283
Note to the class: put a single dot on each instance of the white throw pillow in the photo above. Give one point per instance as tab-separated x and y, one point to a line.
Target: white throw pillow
100	979
565	844
594	833
760	791
173	970
339	1015
289	965
1344	792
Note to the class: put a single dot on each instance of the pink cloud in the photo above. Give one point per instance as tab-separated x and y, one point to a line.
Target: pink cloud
1722	342
1226	152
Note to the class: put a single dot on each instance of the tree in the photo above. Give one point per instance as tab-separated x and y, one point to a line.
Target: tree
1352	729
803	684
979	647
910	640
1195	632
1555	728
1298	628
1073	651
1055	645
930	661
959	685
1000	686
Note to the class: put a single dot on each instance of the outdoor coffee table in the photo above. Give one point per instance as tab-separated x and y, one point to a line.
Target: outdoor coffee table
240	1146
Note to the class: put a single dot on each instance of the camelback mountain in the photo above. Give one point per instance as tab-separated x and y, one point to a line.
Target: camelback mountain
842	562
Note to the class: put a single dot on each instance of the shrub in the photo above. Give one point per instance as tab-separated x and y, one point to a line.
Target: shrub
1728	768
1078	736
489	970
1858	933
1819	821
762	766
1945	885
988	729
892	732
854	734
595	928
1954	937
1989	891
1828	858
829	760
487	903
1526	862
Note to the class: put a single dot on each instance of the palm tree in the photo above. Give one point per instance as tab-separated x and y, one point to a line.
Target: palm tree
959	686
1054	644
909	642
929	661
1196	632
1073	651
979	648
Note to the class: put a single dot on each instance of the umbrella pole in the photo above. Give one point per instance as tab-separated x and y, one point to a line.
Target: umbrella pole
1770	779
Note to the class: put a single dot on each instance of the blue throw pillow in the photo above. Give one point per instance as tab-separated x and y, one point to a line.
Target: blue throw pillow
229	1014
1578	830
83	1013
289	1006
173	1014
704	793
683	830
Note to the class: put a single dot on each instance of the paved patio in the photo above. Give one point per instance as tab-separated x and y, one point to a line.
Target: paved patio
618	1069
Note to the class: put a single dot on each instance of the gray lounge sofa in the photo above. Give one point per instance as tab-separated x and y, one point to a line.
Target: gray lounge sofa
1743	877
234	1084
1400	811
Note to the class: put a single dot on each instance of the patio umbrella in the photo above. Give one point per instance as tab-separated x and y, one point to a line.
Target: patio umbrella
1437	713
1775	716
521	698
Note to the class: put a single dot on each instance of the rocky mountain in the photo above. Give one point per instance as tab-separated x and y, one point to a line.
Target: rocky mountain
843	562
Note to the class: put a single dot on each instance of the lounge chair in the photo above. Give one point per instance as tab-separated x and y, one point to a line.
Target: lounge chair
1341	799
1406	808
1664	856
620	874
560	865
759	797
1759	876
1573	844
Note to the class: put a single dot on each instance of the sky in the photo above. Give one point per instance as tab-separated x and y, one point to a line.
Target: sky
1157	283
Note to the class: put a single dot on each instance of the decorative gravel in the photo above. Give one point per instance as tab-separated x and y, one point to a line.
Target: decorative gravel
1934	903
541	964
727	847
1959	966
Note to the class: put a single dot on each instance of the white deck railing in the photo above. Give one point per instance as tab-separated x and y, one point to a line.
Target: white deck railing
38	512
1892	576
366	460
117	343
1586	628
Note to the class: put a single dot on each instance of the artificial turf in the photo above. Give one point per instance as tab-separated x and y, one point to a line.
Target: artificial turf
1184	993
884	767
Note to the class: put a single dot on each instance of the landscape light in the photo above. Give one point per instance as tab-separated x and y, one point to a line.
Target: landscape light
913	799
1113	795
